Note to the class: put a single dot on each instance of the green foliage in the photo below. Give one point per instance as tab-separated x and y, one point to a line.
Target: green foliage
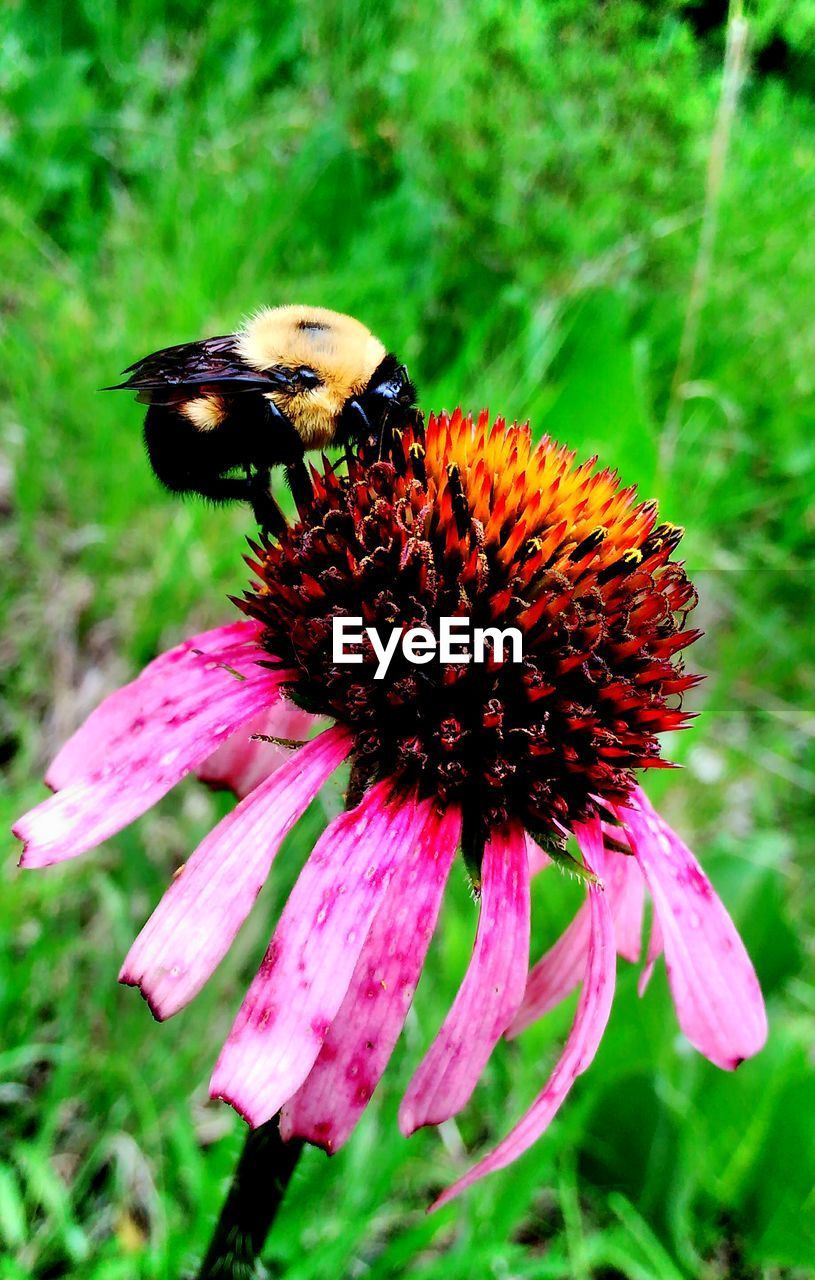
511	196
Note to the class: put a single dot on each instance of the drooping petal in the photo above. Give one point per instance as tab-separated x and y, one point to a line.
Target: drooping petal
714	986
242	762
203	703
556	974
655	949
488	997
298	990
561	968
196	921
629	917
625	887
359	1044
590	1022
124	713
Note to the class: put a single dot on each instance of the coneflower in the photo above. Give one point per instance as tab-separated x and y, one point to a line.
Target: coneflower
502	759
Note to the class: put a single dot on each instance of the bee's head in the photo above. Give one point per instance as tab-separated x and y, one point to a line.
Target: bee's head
390	385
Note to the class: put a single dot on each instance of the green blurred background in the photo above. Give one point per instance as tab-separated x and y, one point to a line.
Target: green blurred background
514	197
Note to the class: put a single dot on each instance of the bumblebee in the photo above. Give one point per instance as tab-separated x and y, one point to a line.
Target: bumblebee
225	411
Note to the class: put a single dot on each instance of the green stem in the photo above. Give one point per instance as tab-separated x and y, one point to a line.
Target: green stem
264	1171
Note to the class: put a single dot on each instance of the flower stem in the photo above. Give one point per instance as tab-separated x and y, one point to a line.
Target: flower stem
263	1173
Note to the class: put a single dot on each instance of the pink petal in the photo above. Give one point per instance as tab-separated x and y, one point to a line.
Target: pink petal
200	704
561	968
196	921
655	949
123	713
359	1044
489	995
556	974
715	990
590	1022
307	969
242	762
625	887
613	831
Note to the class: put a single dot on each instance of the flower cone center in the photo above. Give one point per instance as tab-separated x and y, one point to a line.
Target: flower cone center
470	520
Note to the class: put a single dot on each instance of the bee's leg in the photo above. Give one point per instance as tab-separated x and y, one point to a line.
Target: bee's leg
357	429
385	440
299	482
288	449
357	425
264	506
355	408
254	490
381	439
268	515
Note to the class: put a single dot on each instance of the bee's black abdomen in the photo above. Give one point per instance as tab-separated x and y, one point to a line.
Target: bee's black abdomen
183	457
251	436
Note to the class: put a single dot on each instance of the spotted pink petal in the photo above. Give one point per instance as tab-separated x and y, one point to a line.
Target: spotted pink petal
489	995
587	1031
245	760
201	702
123	714
298	990
196	921
714	986
359	1044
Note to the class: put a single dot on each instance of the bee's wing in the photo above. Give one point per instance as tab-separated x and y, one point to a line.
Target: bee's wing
193	364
